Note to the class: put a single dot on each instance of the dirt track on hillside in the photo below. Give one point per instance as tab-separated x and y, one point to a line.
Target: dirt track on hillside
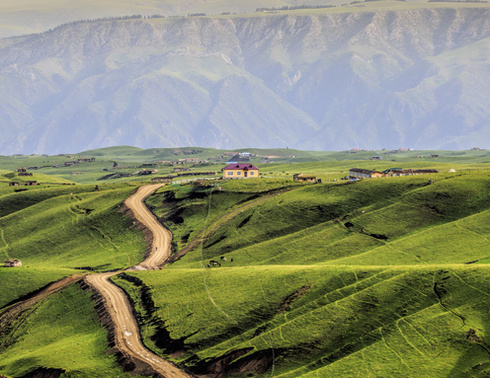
126	330
160	249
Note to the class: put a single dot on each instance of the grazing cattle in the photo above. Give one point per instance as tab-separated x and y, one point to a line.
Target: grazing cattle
223	258
214	263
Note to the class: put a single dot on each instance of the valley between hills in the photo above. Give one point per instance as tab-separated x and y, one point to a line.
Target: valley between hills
267	276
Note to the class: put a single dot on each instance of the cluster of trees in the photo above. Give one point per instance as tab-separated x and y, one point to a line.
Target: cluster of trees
293	7
458	1
120	18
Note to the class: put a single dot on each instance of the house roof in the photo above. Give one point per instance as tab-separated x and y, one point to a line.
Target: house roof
365	171
243	167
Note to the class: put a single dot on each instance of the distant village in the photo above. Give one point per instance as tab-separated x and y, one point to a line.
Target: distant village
238	166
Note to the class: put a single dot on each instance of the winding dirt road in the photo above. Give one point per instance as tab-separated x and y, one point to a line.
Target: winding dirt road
160	250
127	335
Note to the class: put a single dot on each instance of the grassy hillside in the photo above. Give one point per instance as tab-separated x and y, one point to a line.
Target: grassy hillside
41	231
16	283
54	229
61	333
384	217
293	320
385	276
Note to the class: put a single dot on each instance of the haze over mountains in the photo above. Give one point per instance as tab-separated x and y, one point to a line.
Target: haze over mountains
310	80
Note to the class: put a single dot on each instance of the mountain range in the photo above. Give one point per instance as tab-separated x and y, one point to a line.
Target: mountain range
368	75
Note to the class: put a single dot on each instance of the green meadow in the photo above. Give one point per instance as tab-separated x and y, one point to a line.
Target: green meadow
381	277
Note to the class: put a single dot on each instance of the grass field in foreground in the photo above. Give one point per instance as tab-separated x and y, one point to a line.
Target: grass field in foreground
325	320
52	230
63	333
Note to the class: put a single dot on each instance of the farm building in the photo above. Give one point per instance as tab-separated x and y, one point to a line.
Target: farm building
407	172
240	171
304	178
360	173
238	159
13	263
166	180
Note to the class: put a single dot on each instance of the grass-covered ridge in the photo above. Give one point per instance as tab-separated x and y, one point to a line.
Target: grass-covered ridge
300	319
385	276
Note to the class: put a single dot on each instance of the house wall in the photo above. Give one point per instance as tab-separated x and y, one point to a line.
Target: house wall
239	173
362	175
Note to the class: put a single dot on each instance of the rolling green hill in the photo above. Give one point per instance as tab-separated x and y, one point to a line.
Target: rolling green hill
384	276
40	230
381	277
54	229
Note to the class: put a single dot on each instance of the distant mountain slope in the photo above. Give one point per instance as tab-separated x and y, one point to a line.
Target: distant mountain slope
414	78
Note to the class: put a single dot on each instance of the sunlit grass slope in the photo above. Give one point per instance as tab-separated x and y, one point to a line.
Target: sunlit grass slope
63	333
16	283
82	228
384	277
6	175
327	321
390	221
